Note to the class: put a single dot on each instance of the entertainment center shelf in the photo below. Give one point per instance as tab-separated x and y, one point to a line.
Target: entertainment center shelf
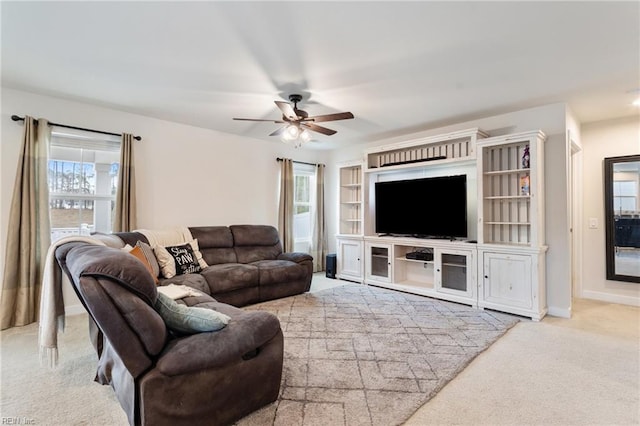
446	270
351	198
451	147
503	268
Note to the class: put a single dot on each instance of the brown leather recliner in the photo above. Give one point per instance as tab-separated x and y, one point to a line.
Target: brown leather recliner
212	378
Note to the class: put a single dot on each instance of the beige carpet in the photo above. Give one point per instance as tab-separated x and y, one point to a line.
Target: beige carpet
579	371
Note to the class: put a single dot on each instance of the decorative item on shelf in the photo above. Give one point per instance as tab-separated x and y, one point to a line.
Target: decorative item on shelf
525	158
524	185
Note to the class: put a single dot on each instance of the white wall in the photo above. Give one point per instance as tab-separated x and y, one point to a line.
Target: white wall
600	140
552	120
184	175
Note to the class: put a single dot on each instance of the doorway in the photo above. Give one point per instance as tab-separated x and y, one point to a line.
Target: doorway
575	215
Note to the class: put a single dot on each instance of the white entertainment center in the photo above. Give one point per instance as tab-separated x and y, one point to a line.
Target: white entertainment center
500	265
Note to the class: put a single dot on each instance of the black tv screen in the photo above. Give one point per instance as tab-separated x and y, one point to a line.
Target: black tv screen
428	207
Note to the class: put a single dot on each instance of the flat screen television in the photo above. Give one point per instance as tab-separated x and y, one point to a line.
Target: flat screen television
427	208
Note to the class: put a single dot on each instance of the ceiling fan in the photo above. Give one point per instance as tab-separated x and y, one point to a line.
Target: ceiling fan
298	122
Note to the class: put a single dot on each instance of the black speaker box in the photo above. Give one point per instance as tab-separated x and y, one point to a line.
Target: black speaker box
330	268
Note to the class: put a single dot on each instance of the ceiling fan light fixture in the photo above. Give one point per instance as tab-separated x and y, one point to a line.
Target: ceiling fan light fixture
291	132
298	125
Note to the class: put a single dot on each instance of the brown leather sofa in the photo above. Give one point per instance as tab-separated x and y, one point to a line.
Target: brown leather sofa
246	264
160	378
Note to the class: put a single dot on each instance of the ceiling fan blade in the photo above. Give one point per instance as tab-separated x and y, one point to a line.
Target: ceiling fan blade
278	132
287	110
257	119
331	117
318	129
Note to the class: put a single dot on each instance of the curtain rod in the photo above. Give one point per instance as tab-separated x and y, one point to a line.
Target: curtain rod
301	162
18	118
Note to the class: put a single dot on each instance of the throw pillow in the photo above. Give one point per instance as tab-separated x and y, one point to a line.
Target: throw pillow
196	251
165	262
139	254
151	258
177	260
189	319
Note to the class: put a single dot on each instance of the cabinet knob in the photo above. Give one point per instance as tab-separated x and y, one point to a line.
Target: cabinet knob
486	276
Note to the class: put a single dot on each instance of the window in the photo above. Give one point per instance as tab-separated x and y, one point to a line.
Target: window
304	176
83	178
625	193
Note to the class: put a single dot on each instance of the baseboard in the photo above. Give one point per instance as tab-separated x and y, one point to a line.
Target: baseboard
611	298
559	312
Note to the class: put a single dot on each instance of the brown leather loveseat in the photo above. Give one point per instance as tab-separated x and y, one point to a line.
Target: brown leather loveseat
246	264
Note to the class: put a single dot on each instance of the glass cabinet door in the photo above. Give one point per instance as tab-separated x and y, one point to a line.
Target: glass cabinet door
452	268
379	262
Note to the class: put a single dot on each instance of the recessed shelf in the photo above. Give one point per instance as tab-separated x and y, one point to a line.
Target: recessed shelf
351	196
404	259
506	172
508	197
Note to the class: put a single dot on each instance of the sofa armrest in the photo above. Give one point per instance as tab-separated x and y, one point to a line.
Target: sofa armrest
245	334
296	257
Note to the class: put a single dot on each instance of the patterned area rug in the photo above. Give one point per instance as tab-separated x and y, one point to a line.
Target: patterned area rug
361	355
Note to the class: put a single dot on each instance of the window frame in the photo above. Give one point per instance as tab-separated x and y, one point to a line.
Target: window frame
85	147
308	171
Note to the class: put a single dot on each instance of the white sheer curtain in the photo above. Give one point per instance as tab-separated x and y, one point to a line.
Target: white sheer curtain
29	234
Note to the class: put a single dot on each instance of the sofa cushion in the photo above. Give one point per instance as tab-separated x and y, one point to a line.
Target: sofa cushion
279	271
230	276
196	281
216	244
254	235
188	319
256	242
246	332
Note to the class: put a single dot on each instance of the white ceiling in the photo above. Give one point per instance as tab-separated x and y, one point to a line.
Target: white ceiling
399	67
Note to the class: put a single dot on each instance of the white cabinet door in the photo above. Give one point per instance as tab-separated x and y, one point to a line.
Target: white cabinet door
507	280
350	260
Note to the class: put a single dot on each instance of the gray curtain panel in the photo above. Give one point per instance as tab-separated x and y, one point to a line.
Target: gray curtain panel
285	211
319	237
125	208
29	233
